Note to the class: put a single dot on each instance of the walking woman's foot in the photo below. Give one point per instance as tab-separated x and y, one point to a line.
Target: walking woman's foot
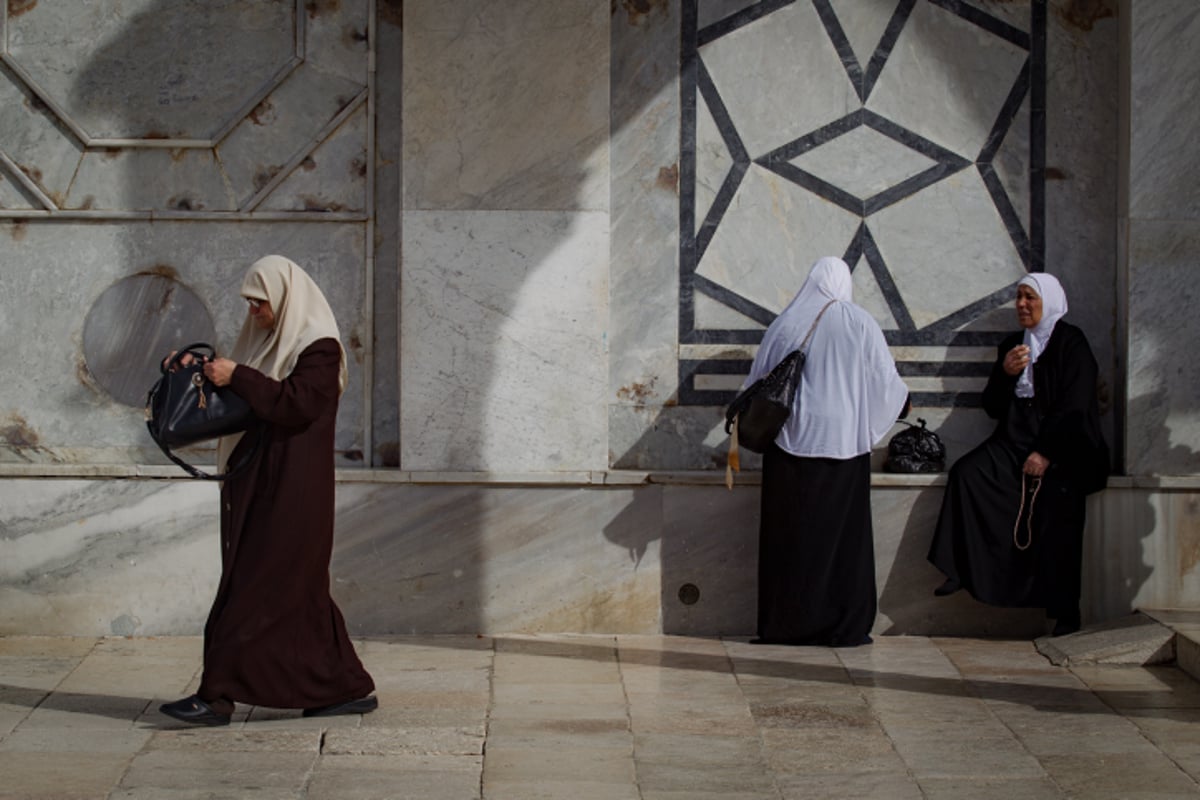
195	711
950	586
363	705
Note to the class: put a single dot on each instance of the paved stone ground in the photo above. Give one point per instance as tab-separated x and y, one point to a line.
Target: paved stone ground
610	718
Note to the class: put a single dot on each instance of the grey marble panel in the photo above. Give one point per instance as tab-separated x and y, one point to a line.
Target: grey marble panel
713	162
936	270
1164	157
176	180
333	178
503	320
282	126
31	136
669	438
643	316
710	11
864	23
12	195
51	409
864	162
118	558
117	67
471	559
506	105
336	39
1162	426
755	69
955	98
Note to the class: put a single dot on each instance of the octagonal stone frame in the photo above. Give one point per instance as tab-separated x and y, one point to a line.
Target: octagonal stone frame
88	141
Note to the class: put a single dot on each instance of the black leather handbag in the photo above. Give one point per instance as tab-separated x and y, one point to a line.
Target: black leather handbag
184	408
756	416
915	449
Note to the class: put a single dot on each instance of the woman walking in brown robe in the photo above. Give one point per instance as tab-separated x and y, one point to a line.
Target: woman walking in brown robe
274	636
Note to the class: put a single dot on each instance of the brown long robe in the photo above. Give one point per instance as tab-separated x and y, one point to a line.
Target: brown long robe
274	636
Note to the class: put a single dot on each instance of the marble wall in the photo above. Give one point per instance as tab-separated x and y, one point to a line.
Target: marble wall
553	232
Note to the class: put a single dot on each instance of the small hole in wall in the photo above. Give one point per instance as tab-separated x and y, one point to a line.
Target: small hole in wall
689	594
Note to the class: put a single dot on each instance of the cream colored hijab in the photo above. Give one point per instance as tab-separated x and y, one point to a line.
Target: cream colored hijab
302	316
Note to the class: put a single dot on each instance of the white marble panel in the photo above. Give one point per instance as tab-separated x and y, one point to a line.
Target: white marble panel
864	23
868	295
52	409
710	11
281	126
669	438
117	67
175	180
643	316
863	162
1164	157
30	136
1012	165
937	268
103	558
713	162
780	78
781	224
1163	423
333	178
503	319
709	313
506	105
947	79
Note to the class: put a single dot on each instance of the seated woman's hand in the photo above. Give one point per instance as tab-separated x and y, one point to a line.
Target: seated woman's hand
220	371
1036	465
1016	360
183	361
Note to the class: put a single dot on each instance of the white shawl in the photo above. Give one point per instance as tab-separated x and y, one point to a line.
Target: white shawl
1054	306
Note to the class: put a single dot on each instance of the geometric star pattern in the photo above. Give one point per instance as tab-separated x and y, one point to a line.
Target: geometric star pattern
906	136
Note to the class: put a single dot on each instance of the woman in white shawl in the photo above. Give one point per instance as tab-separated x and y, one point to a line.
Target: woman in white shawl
816	562
1010	530
274	636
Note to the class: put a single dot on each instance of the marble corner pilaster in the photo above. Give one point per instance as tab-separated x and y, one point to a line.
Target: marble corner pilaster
503	325
1162	429
643	328
506	105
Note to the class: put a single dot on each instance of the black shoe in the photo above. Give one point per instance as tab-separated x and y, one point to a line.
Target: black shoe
1066	622
363	705
194	710
950	586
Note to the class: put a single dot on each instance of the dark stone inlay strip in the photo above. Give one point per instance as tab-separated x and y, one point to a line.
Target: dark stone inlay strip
1012	220
1008	113
1037	139
735	301
688	68
947	324
811	141
883	277
839	197
884	51
739	20
841	43
913	141
986	21
910	186
944	369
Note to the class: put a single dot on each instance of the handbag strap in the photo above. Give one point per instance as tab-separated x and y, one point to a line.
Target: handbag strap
813	327
196	472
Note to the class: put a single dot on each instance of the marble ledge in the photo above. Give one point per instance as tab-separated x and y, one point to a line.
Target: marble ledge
569	478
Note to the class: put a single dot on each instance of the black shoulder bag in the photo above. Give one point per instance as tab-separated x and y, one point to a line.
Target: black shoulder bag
184	408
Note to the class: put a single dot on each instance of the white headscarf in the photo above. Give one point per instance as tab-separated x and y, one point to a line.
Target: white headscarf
851	393
1054	306
302	316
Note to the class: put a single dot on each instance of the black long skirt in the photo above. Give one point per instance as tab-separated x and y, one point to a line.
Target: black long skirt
1004	544
816	555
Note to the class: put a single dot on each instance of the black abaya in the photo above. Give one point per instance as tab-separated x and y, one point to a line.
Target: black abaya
816	558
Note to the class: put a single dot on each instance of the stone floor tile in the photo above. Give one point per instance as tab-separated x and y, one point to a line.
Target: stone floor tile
722	778
232	739
1063	731
1174	731
408	741
218	771
66	710
818	751
71	648
788	713
963	754
395	713
990	789
51	776
557	694
1100	776
850	786
765	794
1126	687
393	777
75	740
602	733
560	712
534	764
558	790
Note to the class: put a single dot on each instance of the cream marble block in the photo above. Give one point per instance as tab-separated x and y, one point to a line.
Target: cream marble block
952	99
467	559
503	319
1163	423
506	105
1164	157
53	410
107	557
755	68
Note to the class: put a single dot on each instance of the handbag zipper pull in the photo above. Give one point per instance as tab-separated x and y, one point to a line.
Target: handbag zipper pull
198	382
